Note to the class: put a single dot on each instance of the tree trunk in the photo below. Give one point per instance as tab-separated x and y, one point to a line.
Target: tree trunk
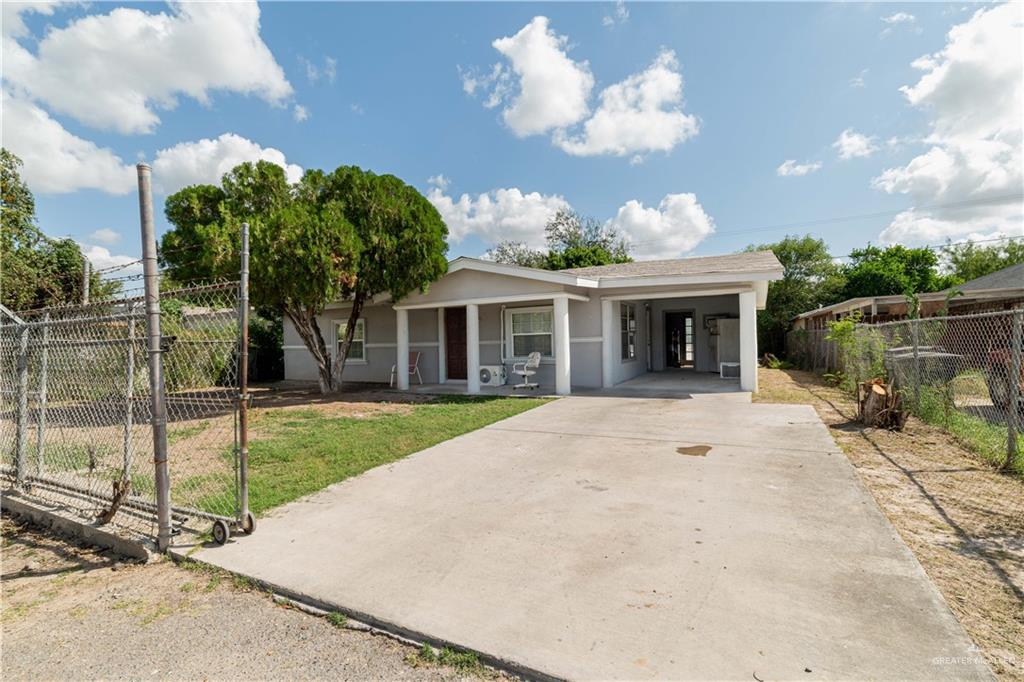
879	405
306	325
350	330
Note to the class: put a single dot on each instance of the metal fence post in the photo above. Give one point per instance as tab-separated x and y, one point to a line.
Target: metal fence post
1013	407
22	405
156	368
243	385
86	271
41	407
129	400
915	338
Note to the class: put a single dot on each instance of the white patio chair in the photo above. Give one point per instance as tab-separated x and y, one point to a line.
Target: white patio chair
414	368
526	370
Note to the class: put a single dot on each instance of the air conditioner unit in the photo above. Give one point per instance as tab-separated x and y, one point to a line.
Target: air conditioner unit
492	375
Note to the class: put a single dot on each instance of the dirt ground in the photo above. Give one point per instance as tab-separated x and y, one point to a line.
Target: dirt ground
76	612
963	521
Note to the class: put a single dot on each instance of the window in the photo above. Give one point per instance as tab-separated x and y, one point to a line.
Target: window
627	317
357	351
530	329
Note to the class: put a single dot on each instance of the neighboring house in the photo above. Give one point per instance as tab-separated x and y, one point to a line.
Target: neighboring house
1000	290
594	326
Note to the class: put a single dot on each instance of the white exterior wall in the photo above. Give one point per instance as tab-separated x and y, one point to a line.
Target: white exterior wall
585	329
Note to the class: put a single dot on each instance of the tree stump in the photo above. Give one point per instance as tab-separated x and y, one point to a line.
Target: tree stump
879	405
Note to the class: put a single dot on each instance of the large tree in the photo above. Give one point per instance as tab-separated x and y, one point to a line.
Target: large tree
810	278
573	241
967	260
873	271
402	241
349	234
36	270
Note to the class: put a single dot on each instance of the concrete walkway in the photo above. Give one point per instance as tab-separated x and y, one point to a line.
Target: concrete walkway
626	538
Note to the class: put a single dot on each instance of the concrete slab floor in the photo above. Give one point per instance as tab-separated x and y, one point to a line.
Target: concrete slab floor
598	538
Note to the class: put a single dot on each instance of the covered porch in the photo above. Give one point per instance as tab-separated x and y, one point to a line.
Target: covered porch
676	342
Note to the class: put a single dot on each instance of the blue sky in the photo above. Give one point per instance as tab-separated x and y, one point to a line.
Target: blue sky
694	108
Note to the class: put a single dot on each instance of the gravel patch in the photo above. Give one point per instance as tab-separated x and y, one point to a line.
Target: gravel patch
77	612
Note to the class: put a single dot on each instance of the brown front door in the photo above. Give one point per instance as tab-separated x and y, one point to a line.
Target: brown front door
455	342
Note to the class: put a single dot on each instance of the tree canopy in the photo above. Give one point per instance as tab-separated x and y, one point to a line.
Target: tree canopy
573	241
811	278
35	270
873	271
968	260
349	234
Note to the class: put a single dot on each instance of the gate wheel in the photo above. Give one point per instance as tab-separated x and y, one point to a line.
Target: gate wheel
249	523
221	531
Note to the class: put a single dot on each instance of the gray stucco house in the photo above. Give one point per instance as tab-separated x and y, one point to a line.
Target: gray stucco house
594	327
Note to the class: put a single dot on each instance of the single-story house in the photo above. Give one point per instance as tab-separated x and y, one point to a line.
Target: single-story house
1000	290
594	327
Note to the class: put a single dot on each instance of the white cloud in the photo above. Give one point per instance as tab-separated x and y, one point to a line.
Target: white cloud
974	160
206	160
640	114
439	181
57	161
553	89
10	14
672	228
498	215
314	73
544	91
101	258
619	16
116	70
858	80
853	145
105	235
791	167
899	18
677	225
300	113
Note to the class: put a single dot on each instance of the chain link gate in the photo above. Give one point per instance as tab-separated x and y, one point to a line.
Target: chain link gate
75	410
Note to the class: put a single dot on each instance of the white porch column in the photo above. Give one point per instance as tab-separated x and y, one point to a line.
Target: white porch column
562	369
442	349
607	343
402	353
472	348
748	341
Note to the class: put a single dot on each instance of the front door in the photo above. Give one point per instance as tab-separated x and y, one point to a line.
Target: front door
679	339
455	342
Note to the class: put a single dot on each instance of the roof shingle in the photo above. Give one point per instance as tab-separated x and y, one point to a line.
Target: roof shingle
736	263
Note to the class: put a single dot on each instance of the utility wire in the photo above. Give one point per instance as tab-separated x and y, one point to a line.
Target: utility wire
861	216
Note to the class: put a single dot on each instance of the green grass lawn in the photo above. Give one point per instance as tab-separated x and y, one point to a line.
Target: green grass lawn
297	452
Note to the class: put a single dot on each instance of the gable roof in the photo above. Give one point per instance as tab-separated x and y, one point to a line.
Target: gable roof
1011	277
733	264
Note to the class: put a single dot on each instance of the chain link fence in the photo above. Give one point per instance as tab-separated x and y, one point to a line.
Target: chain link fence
75	407
962	373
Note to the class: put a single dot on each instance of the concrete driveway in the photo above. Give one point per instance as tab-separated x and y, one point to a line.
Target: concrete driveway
627	538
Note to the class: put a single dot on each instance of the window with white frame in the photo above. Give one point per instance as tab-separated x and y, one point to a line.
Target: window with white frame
627	317
529	330
357	351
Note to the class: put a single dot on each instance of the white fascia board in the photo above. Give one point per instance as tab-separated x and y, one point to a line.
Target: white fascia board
510	298
706	278
552	276
682	293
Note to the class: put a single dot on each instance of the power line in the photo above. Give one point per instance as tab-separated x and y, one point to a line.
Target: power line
847	218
